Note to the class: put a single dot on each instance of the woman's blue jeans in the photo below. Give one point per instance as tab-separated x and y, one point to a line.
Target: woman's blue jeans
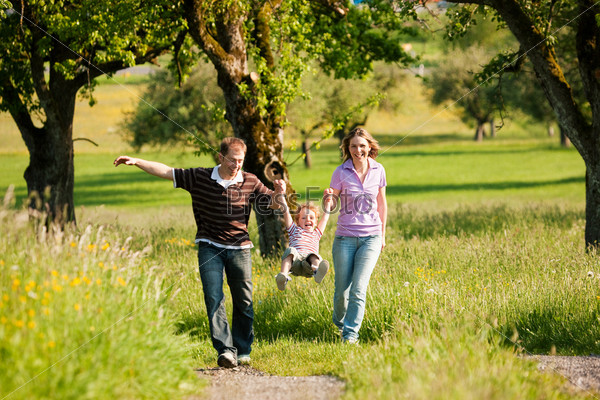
215	263
354	259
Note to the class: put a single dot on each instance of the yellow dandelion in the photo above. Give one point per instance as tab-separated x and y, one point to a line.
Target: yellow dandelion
31	324
51	344
46	311
45	302
106	246
16	283
3	320
47	295
65	277
77	307
91	247
23	299
92	328
57	288
73	244
54	272
98	282
101	264
31	313
5	297
75	282
1	263
87	280
114	267
121	281
19	323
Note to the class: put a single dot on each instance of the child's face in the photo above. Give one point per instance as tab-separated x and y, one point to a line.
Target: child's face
307	219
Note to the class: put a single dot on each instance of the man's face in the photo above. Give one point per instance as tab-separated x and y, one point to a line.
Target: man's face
232	163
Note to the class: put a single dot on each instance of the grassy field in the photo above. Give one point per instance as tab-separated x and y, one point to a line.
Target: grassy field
485	263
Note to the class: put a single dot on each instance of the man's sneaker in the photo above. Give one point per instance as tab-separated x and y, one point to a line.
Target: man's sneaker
282	280
321	271
244	359
227	360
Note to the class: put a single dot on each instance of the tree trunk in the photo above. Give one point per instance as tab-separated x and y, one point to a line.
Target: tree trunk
564	140
592	205
492	129
479	132
50	175
306	152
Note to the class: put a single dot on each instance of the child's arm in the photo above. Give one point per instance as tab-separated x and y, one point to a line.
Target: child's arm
280	202
329	201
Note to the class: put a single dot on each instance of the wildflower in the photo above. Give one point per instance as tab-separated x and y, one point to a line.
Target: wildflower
31	313
101	264
57	288
406	284
54	272
32	294
75	282
106	246
590	274
51	344
3	320
121	281
87	280
16	283
5	297
77	307
73	244
92	329
19	323
31	324
98	282
1	263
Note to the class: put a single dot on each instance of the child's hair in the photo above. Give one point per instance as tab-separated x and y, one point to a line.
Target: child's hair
309	205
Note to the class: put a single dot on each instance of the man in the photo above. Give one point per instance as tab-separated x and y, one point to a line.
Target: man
221	201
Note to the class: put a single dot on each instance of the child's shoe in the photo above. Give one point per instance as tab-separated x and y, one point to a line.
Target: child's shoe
321	271
282	280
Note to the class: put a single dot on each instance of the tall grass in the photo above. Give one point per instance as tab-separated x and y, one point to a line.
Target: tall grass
84	313
117	310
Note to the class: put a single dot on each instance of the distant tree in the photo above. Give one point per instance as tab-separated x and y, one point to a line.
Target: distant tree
52	49
194	112
454	83
335	107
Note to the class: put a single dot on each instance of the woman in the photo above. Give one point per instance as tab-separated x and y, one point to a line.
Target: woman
359	183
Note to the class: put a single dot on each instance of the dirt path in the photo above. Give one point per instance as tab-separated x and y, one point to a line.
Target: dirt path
250	384
582	373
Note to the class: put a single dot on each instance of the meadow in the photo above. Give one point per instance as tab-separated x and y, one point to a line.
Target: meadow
485	264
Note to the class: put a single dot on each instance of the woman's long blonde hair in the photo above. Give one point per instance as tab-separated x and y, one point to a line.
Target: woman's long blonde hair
363	134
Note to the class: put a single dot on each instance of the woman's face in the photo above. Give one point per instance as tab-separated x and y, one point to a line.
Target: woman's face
359	149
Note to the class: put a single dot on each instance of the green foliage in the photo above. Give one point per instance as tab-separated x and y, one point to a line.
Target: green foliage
454	83
170	115
80	38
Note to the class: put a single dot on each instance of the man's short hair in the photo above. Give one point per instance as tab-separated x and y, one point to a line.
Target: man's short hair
229	142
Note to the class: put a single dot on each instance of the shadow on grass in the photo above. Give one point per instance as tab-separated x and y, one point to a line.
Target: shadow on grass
408	223
555	329
474	186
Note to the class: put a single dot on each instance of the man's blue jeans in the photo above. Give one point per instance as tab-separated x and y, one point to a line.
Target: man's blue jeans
215	263
354	259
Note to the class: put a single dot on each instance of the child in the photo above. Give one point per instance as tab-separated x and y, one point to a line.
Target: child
302	257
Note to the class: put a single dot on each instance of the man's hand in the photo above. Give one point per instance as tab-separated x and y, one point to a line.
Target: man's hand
124	160
280	186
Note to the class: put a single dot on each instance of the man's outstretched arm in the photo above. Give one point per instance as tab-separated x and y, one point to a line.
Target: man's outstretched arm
151	167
